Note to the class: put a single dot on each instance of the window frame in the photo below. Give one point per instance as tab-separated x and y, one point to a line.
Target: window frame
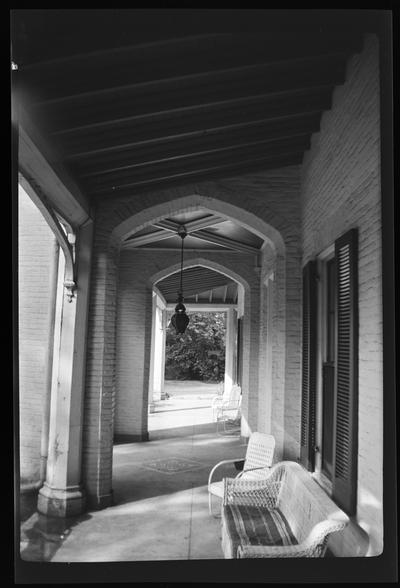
343	486
322	260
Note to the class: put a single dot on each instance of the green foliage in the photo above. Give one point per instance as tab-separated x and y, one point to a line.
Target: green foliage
198	354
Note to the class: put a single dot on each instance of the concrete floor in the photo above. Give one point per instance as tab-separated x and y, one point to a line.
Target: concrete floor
160	509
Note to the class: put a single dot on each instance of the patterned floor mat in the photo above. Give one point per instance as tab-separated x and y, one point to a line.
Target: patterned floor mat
172	465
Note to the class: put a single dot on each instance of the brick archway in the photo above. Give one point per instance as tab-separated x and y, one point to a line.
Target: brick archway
203	262
233	312
113	225
210	204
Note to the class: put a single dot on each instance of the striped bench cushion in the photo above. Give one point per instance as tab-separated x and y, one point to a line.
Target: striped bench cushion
252	525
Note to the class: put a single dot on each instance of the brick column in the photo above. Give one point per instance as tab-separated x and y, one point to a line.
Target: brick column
157	360
152	397
163	343
230	349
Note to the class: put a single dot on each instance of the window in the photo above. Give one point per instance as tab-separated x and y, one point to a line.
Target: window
336	330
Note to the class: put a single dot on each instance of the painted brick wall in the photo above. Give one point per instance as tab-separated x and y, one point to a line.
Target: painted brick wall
36	243
268	202
341	190
133	331
271	406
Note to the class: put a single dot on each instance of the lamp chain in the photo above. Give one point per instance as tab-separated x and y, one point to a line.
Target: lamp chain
180	287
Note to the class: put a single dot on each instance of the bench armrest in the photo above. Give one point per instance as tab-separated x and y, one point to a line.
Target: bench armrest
313	546
251	492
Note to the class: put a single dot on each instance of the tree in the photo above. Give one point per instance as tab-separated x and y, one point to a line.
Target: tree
198	354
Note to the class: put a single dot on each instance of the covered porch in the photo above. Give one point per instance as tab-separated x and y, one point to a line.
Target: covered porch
160	498
270	148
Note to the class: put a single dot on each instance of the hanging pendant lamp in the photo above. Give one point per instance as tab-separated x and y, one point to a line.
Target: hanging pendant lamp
180	319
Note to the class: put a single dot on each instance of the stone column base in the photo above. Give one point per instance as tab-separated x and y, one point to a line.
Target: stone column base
66	502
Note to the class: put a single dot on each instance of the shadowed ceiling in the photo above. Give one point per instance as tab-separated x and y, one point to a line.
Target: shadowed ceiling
129	100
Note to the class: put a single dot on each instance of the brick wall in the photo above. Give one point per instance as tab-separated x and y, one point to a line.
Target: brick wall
133	331
36	243
265	202
341	190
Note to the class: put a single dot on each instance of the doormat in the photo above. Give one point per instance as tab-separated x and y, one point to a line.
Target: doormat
172	465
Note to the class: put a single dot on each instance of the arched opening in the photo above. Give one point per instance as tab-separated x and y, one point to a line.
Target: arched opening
223	260
192	369
127	263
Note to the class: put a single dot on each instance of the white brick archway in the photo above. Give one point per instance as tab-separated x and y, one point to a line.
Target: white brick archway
242	309
104	374
193	202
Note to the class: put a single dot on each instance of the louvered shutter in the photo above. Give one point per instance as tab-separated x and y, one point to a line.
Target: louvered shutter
346	376
309	366
239	365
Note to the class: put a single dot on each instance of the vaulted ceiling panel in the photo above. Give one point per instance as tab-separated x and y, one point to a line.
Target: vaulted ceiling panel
203	231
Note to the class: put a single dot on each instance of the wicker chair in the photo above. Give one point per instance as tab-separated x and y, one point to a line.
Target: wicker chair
285	515
256	464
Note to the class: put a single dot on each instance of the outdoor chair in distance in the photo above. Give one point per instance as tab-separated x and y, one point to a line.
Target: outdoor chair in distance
230	399
228	417
226	410
256	464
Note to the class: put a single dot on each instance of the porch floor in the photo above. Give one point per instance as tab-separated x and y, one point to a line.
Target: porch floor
160	509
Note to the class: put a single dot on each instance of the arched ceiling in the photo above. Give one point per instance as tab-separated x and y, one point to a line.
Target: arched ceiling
129	99
200	285
204	231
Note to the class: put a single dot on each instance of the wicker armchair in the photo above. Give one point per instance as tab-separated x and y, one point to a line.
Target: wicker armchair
287	514
256	464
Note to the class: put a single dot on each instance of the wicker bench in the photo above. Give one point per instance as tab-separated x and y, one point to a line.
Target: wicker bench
285	515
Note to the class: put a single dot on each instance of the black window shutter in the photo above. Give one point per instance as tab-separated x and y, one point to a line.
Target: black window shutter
239	343
309	366
344	484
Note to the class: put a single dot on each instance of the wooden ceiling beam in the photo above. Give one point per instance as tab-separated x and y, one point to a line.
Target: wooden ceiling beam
257	135
148	238
199	80
225	242
210	237
212	172
48	176
167	225
97	108
230	155
114	133
203	223
140	240
88	72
